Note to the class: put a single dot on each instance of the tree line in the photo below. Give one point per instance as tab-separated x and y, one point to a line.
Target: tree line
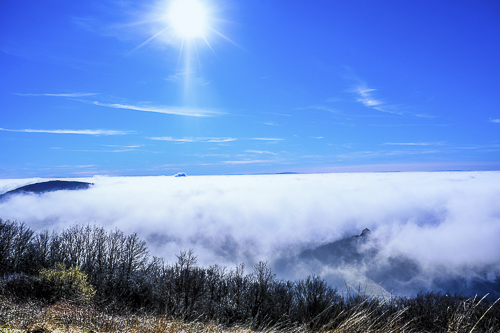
114	272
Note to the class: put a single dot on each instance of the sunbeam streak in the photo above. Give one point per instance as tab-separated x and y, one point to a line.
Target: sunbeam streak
150	39
226	38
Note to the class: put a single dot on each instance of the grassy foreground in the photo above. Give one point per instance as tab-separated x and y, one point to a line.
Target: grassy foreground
35	317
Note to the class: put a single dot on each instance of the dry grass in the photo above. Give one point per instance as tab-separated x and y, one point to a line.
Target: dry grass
65	317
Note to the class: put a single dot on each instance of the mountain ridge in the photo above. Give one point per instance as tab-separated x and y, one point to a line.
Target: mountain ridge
45	187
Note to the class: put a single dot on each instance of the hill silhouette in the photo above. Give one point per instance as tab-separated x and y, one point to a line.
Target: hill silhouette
358	260
343	251
48	186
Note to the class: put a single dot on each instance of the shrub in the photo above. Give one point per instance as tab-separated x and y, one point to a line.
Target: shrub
69	284
20	286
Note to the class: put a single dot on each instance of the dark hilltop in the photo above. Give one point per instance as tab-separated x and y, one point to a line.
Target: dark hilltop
48	186
400	274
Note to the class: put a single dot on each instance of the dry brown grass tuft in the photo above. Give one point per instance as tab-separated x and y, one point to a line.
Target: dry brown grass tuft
66	317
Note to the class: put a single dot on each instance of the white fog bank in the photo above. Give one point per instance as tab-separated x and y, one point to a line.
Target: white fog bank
447	222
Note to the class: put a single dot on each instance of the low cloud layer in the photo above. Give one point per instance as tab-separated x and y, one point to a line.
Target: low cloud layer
445	224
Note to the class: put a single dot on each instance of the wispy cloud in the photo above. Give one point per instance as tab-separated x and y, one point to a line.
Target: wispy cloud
268	139
260	152
175	77
318	107
423	115
415	143
118	150
245	162
128	146
179	75
123	148
495	121
209	155
365	97
169	138
277	114
66	131
176	110
270	123
218	139
62	95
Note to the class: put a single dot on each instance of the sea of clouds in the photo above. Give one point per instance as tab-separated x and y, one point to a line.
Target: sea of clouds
447	224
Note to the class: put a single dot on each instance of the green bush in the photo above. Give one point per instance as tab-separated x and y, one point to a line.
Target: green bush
69	284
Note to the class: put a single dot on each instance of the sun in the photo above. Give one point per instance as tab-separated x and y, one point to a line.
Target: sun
187	25
183	23
188	18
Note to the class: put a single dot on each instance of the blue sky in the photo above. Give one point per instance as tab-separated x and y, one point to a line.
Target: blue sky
110	87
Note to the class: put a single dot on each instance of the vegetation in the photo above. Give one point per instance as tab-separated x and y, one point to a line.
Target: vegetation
68	284
88	279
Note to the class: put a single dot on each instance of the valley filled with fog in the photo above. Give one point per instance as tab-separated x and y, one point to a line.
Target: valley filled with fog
428	231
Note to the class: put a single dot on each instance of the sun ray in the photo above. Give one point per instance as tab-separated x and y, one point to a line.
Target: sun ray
210	46
226	38
197	57
149	39
180	53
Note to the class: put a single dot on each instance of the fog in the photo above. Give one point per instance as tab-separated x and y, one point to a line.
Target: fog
426	227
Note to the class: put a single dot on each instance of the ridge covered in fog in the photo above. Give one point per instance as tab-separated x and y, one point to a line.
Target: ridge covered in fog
429	231
47	186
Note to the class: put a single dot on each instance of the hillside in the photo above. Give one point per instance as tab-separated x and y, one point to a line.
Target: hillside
48	186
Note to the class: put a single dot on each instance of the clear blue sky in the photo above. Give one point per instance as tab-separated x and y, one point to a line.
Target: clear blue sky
112	87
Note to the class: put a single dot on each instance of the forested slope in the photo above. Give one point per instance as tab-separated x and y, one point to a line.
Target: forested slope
113	272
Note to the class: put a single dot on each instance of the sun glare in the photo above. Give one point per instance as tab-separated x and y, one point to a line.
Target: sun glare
188	18
186	24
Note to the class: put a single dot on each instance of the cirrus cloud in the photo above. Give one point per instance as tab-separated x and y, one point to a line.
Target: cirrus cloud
174	110
201	139
68	131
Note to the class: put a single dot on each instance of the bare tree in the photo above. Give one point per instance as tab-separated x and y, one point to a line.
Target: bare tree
15	240
313	296
115	244
72	243
135	254
262	279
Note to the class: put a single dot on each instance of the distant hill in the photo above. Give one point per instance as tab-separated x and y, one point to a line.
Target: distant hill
357	260
49	186
344	251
